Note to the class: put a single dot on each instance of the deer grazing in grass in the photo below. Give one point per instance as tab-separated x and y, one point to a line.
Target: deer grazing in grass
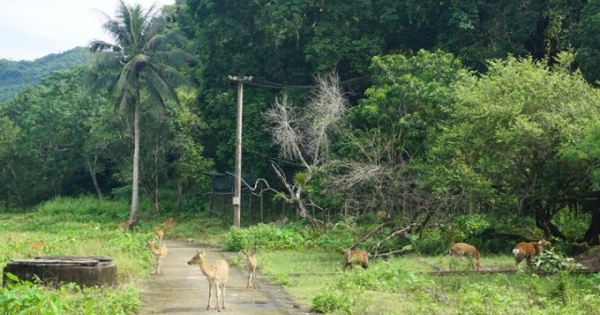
159	252
125	225
251	264
158	234
38	246
169	224
528	250
464	249
356	257
216	274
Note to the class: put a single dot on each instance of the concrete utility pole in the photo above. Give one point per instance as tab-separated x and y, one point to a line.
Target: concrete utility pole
237	196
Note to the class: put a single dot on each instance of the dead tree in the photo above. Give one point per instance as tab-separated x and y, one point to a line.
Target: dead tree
303	135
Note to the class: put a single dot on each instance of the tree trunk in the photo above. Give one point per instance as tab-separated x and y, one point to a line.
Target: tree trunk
94	178
543	221
591	235
136	159
180	198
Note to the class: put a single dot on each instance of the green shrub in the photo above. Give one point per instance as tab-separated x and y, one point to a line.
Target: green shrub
263	236
553	262
333	297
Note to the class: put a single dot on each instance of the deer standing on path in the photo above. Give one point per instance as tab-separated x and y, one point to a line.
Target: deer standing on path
159	252
251	264
216	274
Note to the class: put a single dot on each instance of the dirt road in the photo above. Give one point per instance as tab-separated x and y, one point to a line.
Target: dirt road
183	289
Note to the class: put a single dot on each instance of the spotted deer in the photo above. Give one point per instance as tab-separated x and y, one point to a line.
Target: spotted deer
464	249
356	257
158	234
169	224
38	246
125	225
251	265
159	252
528	250
216	274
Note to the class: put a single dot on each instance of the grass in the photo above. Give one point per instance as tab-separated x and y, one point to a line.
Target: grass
87	227
398	286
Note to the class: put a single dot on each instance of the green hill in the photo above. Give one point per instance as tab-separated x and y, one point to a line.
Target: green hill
16	75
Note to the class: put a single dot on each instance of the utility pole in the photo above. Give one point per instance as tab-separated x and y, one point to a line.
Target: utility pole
237	195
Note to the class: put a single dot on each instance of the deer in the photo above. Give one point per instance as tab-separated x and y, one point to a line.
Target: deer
356	257
251	264
528	250
38	246
216	274
280	222
169	224
159	252
463	249
125	225
158	234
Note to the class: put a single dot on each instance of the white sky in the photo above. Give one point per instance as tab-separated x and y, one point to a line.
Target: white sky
31	29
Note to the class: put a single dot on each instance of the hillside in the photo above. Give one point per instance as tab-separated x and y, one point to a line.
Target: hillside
16	75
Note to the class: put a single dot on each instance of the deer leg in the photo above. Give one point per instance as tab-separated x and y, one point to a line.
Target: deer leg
210	285
223	295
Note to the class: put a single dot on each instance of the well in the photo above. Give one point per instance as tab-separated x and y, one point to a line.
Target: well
54	270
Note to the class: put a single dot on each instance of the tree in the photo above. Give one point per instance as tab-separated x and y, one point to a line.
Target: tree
393	128
501	150
143	58
303	136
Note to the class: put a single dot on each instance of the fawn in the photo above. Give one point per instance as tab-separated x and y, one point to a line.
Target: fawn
159	252
38	246
125	225
464	249
356	257
169	224
251	264
216	274
158	234
528	250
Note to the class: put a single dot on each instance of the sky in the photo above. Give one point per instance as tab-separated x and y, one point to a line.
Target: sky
31	29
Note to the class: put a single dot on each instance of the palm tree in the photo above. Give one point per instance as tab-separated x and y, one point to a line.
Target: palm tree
143	59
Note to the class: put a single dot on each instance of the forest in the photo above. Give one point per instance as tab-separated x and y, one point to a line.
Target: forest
419	112
15	76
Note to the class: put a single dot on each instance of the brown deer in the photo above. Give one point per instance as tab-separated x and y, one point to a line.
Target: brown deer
216	274
125	225
528	250
356	257
464	249
38	246
251	264
169	224
159	252
158	234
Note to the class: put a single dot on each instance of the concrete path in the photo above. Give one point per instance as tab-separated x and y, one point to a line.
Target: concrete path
183	289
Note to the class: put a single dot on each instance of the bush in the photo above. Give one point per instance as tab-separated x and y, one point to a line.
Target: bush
263	236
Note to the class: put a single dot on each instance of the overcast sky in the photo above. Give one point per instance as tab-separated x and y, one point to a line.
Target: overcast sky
31	29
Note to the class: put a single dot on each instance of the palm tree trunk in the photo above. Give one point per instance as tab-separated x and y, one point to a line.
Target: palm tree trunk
136	158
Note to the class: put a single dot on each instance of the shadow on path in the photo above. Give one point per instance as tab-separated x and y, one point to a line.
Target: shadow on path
183	289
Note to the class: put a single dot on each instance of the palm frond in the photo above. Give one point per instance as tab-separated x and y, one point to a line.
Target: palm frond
175	57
